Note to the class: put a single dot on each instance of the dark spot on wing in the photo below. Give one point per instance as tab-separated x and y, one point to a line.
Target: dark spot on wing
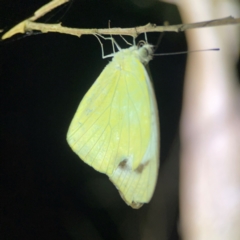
123	164
140	168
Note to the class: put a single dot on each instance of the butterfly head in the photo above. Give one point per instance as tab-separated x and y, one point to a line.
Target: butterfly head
145	52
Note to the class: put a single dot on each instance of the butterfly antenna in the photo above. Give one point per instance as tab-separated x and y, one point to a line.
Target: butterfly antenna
185	52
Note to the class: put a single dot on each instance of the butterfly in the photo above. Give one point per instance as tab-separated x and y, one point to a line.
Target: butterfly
115	129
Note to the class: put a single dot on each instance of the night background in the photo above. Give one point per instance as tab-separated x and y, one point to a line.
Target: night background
47	192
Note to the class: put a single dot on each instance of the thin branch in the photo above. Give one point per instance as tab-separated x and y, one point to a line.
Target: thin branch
30	25
21	27
47	8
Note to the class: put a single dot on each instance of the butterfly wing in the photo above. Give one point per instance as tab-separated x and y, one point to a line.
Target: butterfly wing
136	184
115	128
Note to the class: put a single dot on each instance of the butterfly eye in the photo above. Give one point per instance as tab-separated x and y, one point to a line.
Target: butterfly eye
141	43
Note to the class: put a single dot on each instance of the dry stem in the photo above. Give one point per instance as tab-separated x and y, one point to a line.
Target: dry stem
30	25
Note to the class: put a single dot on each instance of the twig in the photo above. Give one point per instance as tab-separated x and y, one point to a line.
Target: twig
30	25
47	8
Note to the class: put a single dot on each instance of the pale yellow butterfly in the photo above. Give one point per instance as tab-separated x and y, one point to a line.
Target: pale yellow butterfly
116	128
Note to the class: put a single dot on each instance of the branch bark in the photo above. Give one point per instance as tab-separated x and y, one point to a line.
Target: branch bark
29	25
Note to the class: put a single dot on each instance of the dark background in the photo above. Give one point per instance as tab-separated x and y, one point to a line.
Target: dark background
47	192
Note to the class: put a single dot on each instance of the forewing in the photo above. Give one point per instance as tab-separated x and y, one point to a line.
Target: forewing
112	130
